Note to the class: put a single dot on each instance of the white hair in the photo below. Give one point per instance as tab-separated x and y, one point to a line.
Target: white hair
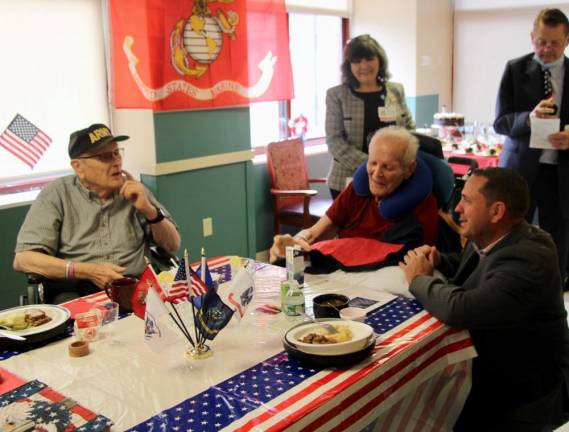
399	134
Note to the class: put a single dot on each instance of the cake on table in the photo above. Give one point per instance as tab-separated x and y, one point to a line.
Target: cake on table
448	119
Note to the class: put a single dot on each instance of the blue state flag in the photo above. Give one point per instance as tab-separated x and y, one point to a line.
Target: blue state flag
213	315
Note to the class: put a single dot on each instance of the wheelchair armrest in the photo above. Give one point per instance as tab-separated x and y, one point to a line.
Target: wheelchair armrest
162	257
292	192
33	292
34	278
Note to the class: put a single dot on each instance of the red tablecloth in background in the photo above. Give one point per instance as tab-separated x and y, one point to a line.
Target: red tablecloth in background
483	161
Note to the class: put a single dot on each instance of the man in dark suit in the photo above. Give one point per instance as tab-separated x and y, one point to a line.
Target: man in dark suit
537	85
503	288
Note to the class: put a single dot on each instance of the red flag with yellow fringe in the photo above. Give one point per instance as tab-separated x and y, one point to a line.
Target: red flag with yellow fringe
190	54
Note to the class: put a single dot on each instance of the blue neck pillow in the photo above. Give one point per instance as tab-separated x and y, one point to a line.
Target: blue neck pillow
406	197
443	177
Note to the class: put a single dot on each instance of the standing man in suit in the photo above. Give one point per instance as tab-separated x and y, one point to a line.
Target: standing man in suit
503	288
537	85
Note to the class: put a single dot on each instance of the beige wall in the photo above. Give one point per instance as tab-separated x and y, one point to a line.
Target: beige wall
434	49
394	25
420	53
138	124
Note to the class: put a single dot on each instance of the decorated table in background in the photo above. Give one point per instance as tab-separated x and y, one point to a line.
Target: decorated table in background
418	375
484	161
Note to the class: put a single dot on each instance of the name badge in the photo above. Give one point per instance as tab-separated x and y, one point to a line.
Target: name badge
386	114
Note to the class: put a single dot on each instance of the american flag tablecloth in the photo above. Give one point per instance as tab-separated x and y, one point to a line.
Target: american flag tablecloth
283	394
417	378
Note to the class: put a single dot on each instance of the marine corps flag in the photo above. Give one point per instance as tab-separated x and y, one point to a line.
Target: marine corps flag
188	54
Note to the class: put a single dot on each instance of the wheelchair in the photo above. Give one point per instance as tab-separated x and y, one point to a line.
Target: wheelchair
160	259
459	181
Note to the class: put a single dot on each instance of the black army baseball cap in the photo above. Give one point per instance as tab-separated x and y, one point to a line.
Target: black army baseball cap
90	139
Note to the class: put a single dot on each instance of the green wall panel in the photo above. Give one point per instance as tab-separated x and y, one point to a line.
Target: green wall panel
13	283
423	108
263	208
191	134
219	193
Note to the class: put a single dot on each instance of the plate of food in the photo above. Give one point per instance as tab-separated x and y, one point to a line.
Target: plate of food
313	338
340	360
32	320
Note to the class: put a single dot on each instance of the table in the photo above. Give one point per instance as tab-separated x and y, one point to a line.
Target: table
419	373
483	161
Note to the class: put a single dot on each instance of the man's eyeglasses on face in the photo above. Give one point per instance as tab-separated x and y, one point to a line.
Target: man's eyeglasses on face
542	43
106	156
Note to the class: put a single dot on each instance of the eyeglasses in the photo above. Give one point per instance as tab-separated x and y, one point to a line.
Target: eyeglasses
106	157
542	43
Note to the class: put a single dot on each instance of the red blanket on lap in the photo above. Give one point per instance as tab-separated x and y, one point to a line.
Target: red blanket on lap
357	251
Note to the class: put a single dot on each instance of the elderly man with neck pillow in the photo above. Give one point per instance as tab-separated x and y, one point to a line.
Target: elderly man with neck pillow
387	209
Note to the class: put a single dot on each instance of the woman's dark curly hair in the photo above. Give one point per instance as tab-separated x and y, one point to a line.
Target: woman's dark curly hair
360	47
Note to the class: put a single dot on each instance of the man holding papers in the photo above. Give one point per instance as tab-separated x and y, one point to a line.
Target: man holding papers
532	110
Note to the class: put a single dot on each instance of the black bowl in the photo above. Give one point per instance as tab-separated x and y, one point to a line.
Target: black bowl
329	305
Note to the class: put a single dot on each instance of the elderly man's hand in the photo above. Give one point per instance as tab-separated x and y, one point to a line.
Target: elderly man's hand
100	274
559	140
134	191
280	242
420	261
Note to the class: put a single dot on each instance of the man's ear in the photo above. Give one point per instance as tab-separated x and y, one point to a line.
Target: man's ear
410	169
77	166
497	211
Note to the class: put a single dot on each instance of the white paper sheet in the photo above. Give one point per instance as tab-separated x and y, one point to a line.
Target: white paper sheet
540	130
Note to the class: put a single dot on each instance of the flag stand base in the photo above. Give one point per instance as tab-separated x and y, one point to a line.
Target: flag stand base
200	352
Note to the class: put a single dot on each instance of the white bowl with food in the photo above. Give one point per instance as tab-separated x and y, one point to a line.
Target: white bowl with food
313	338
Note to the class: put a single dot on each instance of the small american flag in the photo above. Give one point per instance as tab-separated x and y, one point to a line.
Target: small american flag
198	285
179	288
25	141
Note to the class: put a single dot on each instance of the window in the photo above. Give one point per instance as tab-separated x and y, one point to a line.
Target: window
55	78
316	55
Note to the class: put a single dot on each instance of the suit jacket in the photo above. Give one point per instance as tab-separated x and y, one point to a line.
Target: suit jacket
520	91
345	128
511	303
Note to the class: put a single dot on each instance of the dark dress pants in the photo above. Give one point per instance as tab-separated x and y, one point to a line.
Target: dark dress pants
545	198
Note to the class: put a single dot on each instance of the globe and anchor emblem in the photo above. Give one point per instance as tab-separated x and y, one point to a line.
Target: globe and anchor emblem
197	42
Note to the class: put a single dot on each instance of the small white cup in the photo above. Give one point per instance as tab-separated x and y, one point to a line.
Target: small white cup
353	314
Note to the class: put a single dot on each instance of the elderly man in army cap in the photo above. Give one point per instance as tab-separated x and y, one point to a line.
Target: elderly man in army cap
88	229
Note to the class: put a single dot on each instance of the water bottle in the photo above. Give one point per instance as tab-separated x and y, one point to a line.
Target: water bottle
295	264
292	298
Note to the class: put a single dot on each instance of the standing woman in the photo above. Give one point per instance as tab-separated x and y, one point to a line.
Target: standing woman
364	102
